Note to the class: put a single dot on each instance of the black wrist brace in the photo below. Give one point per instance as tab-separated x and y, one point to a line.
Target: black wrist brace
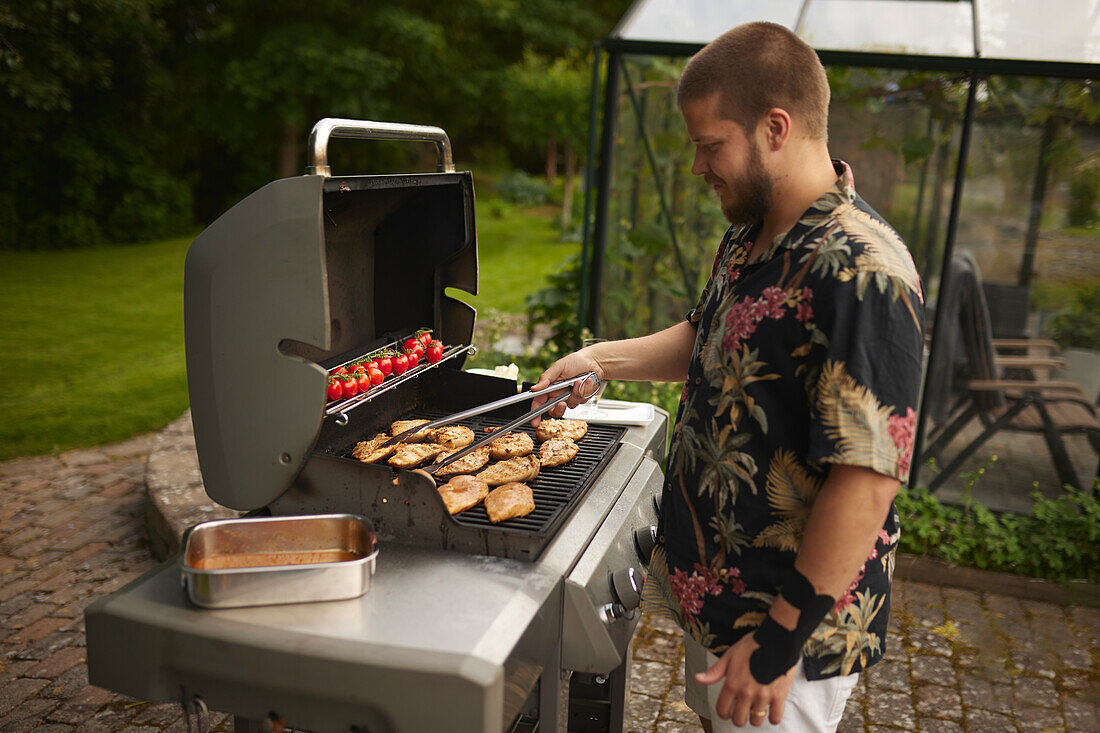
780	648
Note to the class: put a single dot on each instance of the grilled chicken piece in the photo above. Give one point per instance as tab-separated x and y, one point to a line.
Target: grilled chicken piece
463	492
511	446
453	437
557	452
411	455
521	468
469	463
551	428
401	426
368	451
509	501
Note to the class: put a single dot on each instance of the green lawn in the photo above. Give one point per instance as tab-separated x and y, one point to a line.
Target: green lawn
91	342
91	345
517	249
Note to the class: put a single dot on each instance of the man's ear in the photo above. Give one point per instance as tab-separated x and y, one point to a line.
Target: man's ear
776	127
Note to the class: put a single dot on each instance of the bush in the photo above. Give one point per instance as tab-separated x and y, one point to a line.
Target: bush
1079	327
1057	542
517	187
556	305
1083	209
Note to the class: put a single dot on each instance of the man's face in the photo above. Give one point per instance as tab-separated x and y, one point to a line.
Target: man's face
729	161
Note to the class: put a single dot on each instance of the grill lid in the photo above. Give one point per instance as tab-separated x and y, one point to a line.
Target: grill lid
304	273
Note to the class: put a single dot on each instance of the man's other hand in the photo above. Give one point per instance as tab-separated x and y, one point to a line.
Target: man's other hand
741	695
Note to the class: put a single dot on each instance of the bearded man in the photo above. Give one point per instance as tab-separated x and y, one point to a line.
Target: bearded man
801	364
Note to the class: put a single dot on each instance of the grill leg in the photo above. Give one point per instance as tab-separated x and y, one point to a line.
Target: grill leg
597	703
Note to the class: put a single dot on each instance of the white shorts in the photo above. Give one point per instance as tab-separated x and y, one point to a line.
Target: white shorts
813	706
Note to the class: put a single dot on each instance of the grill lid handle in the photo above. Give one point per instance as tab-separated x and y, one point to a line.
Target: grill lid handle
331	127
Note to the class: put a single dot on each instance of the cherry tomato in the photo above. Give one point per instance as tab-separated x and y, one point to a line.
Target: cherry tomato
411	342
372	364
376	376
363	379
351	386
340	370
356	368
335	389
434	352
400	364
385	365
425	338
413	355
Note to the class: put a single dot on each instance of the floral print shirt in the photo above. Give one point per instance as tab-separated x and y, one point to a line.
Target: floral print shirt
808	356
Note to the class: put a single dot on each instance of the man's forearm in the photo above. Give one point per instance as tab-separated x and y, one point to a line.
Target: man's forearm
658	357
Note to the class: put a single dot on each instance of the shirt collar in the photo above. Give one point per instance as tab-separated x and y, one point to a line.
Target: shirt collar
843	191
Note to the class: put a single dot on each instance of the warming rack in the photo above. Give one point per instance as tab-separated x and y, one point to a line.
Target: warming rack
341	408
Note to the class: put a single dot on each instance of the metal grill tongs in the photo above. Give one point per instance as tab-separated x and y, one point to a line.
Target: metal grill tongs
490	406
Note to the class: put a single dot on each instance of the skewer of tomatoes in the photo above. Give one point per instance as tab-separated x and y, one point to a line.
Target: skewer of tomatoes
352	379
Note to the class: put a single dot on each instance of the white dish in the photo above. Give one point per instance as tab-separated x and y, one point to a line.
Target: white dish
613	412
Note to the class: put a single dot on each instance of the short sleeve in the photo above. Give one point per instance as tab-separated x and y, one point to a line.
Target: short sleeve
868	372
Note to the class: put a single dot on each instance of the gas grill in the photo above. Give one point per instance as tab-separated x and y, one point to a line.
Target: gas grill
468	625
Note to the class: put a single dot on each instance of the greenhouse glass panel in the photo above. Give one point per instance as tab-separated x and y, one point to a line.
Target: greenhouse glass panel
700	21
898	130
1028	238
1052	30
890	26
663	223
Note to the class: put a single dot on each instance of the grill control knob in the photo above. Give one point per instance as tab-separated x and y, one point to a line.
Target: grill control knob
645	539
626	587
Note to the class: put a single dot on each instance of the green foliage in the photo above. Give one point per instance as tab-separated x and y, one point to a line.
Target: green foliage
127	120
1057	541
518	187
1084	195
556	305
546	99
1079	326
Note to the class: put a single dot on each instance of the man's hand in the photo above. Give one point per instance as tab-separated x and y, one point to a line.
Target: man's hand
658	357
742	695
576	363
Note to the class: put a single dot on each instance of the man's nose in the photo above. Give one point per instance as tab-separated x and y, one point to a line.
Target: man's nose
698	165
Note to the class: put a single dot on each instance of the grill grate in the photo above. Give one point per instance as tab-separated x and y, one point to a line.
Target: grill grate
556	490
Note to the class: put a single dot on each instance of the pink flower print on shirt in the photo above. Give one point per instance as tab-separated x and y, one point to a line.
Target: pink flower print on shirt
849	596
902	430
689	589
733	577
745	314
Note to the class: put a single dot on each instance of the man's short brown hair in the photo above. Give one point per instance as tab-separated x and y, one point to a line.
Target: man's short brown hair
755	67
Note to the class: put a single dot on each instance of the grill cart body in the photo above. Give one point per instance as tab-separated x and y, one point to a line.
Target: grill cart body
467	625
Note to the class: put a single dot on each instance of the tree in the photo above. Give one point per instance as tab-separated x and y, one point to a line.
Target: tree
546	103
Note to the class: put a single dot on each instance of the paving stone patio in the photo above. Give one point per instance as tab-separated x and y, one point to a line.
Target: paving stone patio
79	525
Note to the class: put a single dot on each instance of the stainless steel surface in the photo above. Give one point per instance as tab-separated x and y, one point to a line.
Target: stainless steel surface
430	648
285	538
590	641
331	127
496	405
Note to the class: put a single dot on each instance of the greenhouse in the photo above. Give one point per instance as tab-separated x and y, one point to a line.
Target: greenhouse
971	127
